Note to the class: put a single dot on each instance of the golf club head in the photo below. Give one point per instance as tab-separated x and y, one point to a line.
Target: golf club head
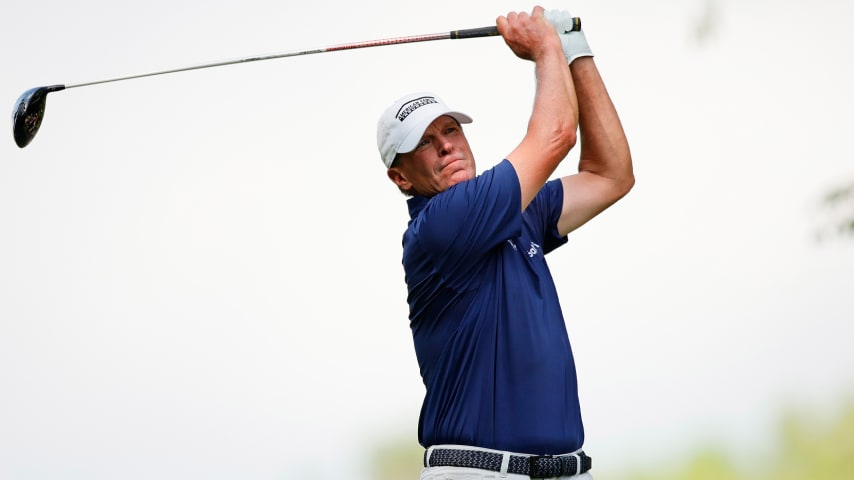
29	113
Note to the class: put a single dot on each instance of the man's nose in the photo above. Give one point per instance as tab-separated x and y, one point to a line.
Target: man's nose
445	146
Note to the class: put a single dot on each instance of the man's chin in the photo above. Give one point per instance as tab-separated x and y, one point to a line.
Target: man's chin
459	179
462	175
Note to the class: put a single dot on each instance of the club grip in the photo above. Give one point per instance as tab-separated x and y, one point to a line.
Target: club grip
474	33
493	31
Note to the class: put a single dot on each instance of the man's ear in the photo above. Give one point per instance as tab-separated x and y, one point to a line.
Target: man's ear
399	179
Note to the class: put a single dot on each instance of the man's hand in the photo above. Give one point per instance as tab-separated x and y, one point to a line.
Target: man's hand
530	37
560	19
574	43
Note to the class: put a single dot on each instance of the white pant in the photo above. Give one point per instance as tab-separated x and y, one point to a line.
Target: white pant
459	473
462	473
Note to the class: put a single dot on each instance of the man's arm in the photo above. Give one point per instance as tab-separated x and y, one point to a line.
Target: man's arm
552	127
605	166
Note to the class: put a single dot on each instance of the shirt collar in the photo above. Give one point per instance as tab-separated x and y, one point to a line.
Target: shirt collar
416	204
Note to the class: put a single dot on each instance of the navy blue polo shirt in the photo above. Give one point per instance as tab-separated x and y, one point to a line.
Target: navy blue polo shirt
488	329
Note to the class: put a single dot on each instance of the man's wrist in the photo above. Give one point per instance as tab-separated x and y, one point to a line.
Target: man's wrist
575	46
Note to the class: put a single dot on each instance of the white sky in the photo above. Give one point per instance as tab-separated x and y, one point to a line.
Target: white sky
200	273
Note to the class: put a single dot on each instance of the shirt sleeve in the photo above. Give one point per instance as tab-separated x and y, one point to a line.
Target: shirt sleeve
544	212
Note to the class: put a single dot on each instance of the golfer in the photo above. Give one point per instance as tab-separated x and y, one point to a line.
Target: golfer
501	392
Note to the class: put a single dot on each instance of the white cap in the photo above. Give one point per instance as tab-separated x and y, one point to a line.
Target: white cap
403	123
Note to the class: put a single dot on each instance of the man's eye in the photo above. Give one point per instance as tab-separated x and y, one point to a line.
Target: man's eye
423	143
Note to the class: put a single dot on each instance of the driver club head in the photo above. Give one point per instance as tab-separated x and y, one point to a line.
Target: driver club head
29	113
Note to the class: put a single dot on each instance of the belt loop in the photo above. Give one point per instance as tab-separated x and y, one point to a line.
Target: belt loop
427	454
505	464
577	463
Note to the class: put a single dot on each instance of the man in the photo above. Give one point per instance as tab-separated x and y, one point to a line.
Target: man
489	334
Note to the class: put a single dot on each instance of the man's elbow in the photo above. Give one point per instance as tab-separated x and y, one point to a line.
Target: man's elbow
620	176
564	138
571	139
569	131
626	181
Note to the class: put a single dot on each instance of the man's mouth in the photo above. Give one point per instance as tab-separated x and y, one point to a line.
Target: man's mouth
449	163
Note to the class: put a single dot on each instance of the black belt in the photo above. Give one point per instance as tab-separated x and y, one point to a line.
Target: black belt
535	466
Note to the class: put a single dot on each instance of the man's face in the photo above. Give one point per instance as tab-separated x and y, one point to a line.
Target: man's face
442	159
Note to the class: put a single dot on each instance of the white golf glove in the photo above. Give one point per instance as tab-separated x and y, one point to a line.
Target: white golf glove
574	43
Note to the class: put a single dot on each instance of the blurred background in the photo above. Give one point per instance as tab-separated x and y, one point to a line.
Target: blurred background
200	273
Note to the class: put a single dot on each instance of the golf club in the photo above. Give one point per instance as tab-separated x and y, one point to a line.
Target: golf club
28	113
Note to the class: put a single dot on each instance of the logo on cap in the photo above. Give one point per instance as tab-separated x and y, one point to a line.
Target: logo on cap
414	105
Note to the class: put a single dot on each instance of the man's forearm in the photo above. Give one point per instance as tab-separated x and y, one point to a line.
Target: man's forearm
552	127
555	103
604	148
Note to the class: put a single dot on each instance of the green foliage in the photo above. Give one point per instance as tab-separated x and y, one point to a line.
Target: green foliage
840	203
808	448
815	449
399	459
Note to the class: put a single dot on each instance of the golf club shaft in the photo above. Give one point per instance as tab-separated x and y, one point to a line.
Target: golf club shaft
453	35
